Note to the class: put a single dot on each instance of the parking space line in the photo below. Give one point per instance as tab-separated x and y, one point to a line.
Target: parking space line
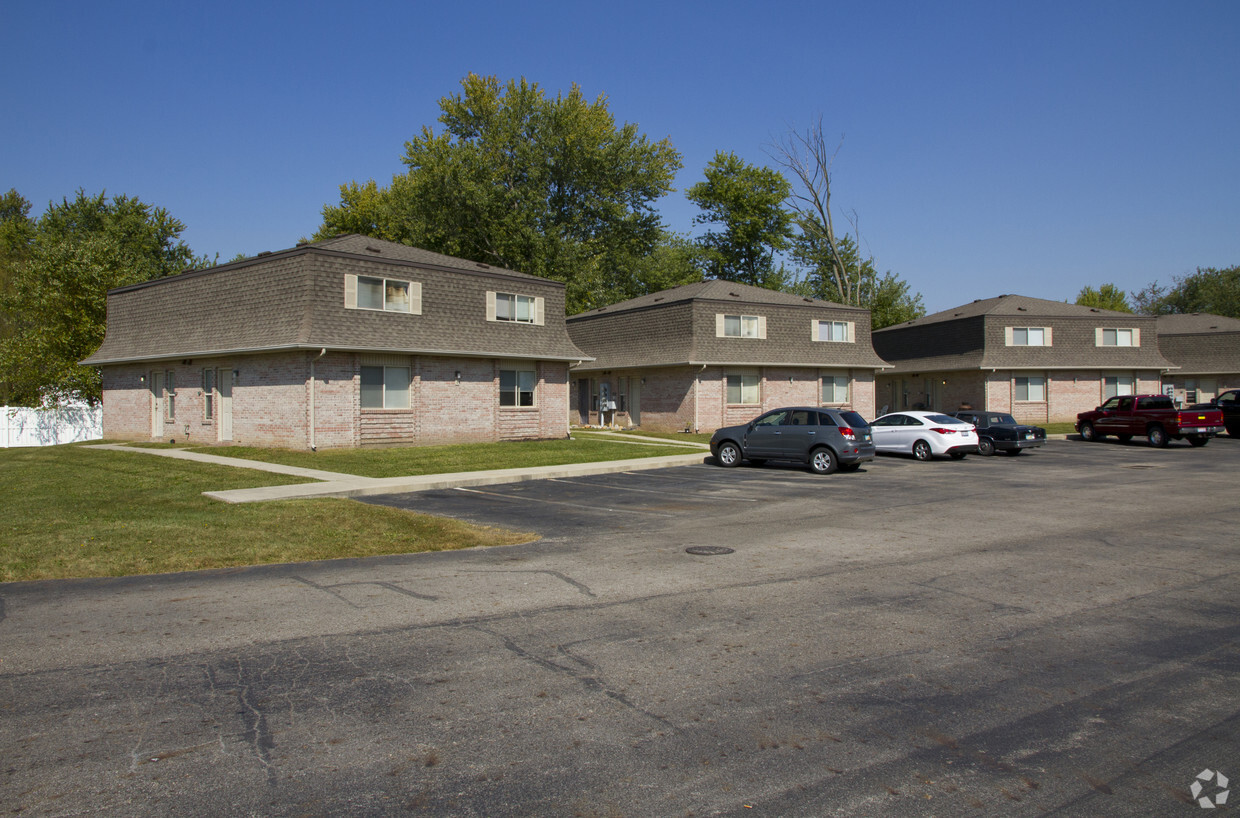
609	487
527	499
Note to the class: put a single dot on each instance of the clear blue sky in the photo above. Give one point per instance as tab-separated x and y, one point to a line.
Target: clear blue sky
989	147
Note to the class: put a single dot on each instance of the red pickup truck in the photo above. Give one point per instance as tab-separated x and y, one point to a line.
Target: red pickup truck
1152	416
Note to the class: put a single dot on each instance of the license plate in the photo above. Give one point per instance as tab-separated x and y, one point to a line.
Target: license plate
1029	437
866	438
1201	429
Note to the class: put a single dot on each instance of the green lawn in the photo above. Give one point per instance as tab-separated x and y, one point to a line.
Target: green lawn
70	511
405	461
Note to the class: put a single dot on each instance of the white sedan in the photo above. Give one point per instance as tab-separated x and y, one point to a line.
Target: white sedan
924	435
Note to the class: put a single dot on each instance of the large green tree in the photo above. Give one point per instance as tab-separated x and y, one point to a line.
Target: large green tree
1209	289
746	204
547	186
1106	297
79	249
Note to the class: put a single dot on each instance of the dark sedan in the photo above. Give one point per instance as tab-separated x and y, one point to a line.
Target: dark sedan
998	431
824	439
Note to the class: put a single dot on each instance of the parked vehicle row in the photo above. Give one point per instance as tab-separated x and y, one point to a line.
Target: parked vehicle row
829	440
1153	417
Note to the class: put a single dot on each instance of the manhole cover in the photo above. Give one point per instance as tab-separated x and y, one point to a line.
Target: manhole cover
709	550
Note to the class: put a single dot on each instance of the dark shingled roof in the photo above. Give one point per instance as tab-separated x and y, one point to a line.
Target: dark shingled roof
713	291
294	299
1201	343
1195	323
972	336
1015	305
676	327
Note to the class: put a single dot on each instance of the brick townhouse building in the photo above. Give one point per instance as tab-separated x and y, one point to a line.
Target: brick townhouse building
346	342
1042	361
1205	349
716	353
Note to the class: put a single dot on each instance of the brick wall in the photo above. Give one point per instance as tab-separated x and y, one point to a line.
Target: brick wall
126	404
271	403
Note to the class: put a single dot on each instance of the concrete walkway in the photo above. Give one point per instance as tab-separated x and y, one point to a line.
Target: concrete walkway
334	484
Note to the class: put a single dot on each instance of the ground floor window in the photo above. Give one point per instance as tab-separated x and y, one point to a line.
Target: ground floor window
385	387
742	388
1113	385
1029	388
516	387
170	396
208	394
835	389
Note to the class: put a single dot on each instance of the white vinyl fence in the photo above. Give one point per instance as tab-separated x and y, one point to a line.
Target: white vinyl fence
22	426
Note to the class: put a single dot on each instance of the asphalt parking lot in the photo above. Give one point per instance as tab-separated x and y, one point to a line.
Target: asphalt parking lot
1053	633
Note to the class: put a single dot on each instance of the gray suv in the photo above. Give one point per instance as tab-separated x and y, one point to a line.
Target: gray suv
824	439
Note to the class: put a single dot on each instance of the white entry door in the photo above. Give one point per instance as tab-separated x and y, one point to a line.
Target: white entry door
224	424
635	401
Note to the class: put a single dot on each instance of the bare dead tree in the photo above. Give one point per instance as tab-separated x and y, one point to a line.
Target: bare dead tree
806	156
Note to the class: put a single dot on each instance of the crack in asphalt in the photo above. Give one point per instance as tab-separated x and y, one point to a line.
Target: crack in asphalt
590	678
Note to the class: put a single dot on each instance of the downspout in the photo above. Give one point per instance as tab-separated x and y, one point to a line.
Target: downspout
697	387
322	352
568	401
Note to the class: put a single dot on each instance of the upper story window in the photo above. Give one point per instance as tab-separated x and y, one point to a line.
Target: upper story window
1118	337
517	309
382	294
838	331
740	326
1028	336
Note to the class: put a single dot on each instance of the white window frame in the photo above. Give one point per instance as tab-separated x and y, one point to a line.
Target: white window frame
835	332
208	395
170	396
1027	336
748	386
410	305
1029	385
534	307
516	380
1112	337
744	326
394	386
840	388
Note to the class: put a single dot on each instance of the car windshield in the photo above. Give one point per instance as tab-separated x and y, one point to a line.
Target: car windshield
854	419
945	419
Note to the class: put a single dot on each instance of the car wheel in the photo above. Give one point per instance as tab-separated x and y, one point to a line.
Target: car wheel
1157	436
1123	438
1233	431
921	450
1198	440
1087	432
729	455
985	446
822	461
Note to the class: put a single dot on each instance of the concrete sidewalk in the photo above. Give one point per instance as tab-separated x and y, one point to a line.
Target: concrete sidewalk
334	484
